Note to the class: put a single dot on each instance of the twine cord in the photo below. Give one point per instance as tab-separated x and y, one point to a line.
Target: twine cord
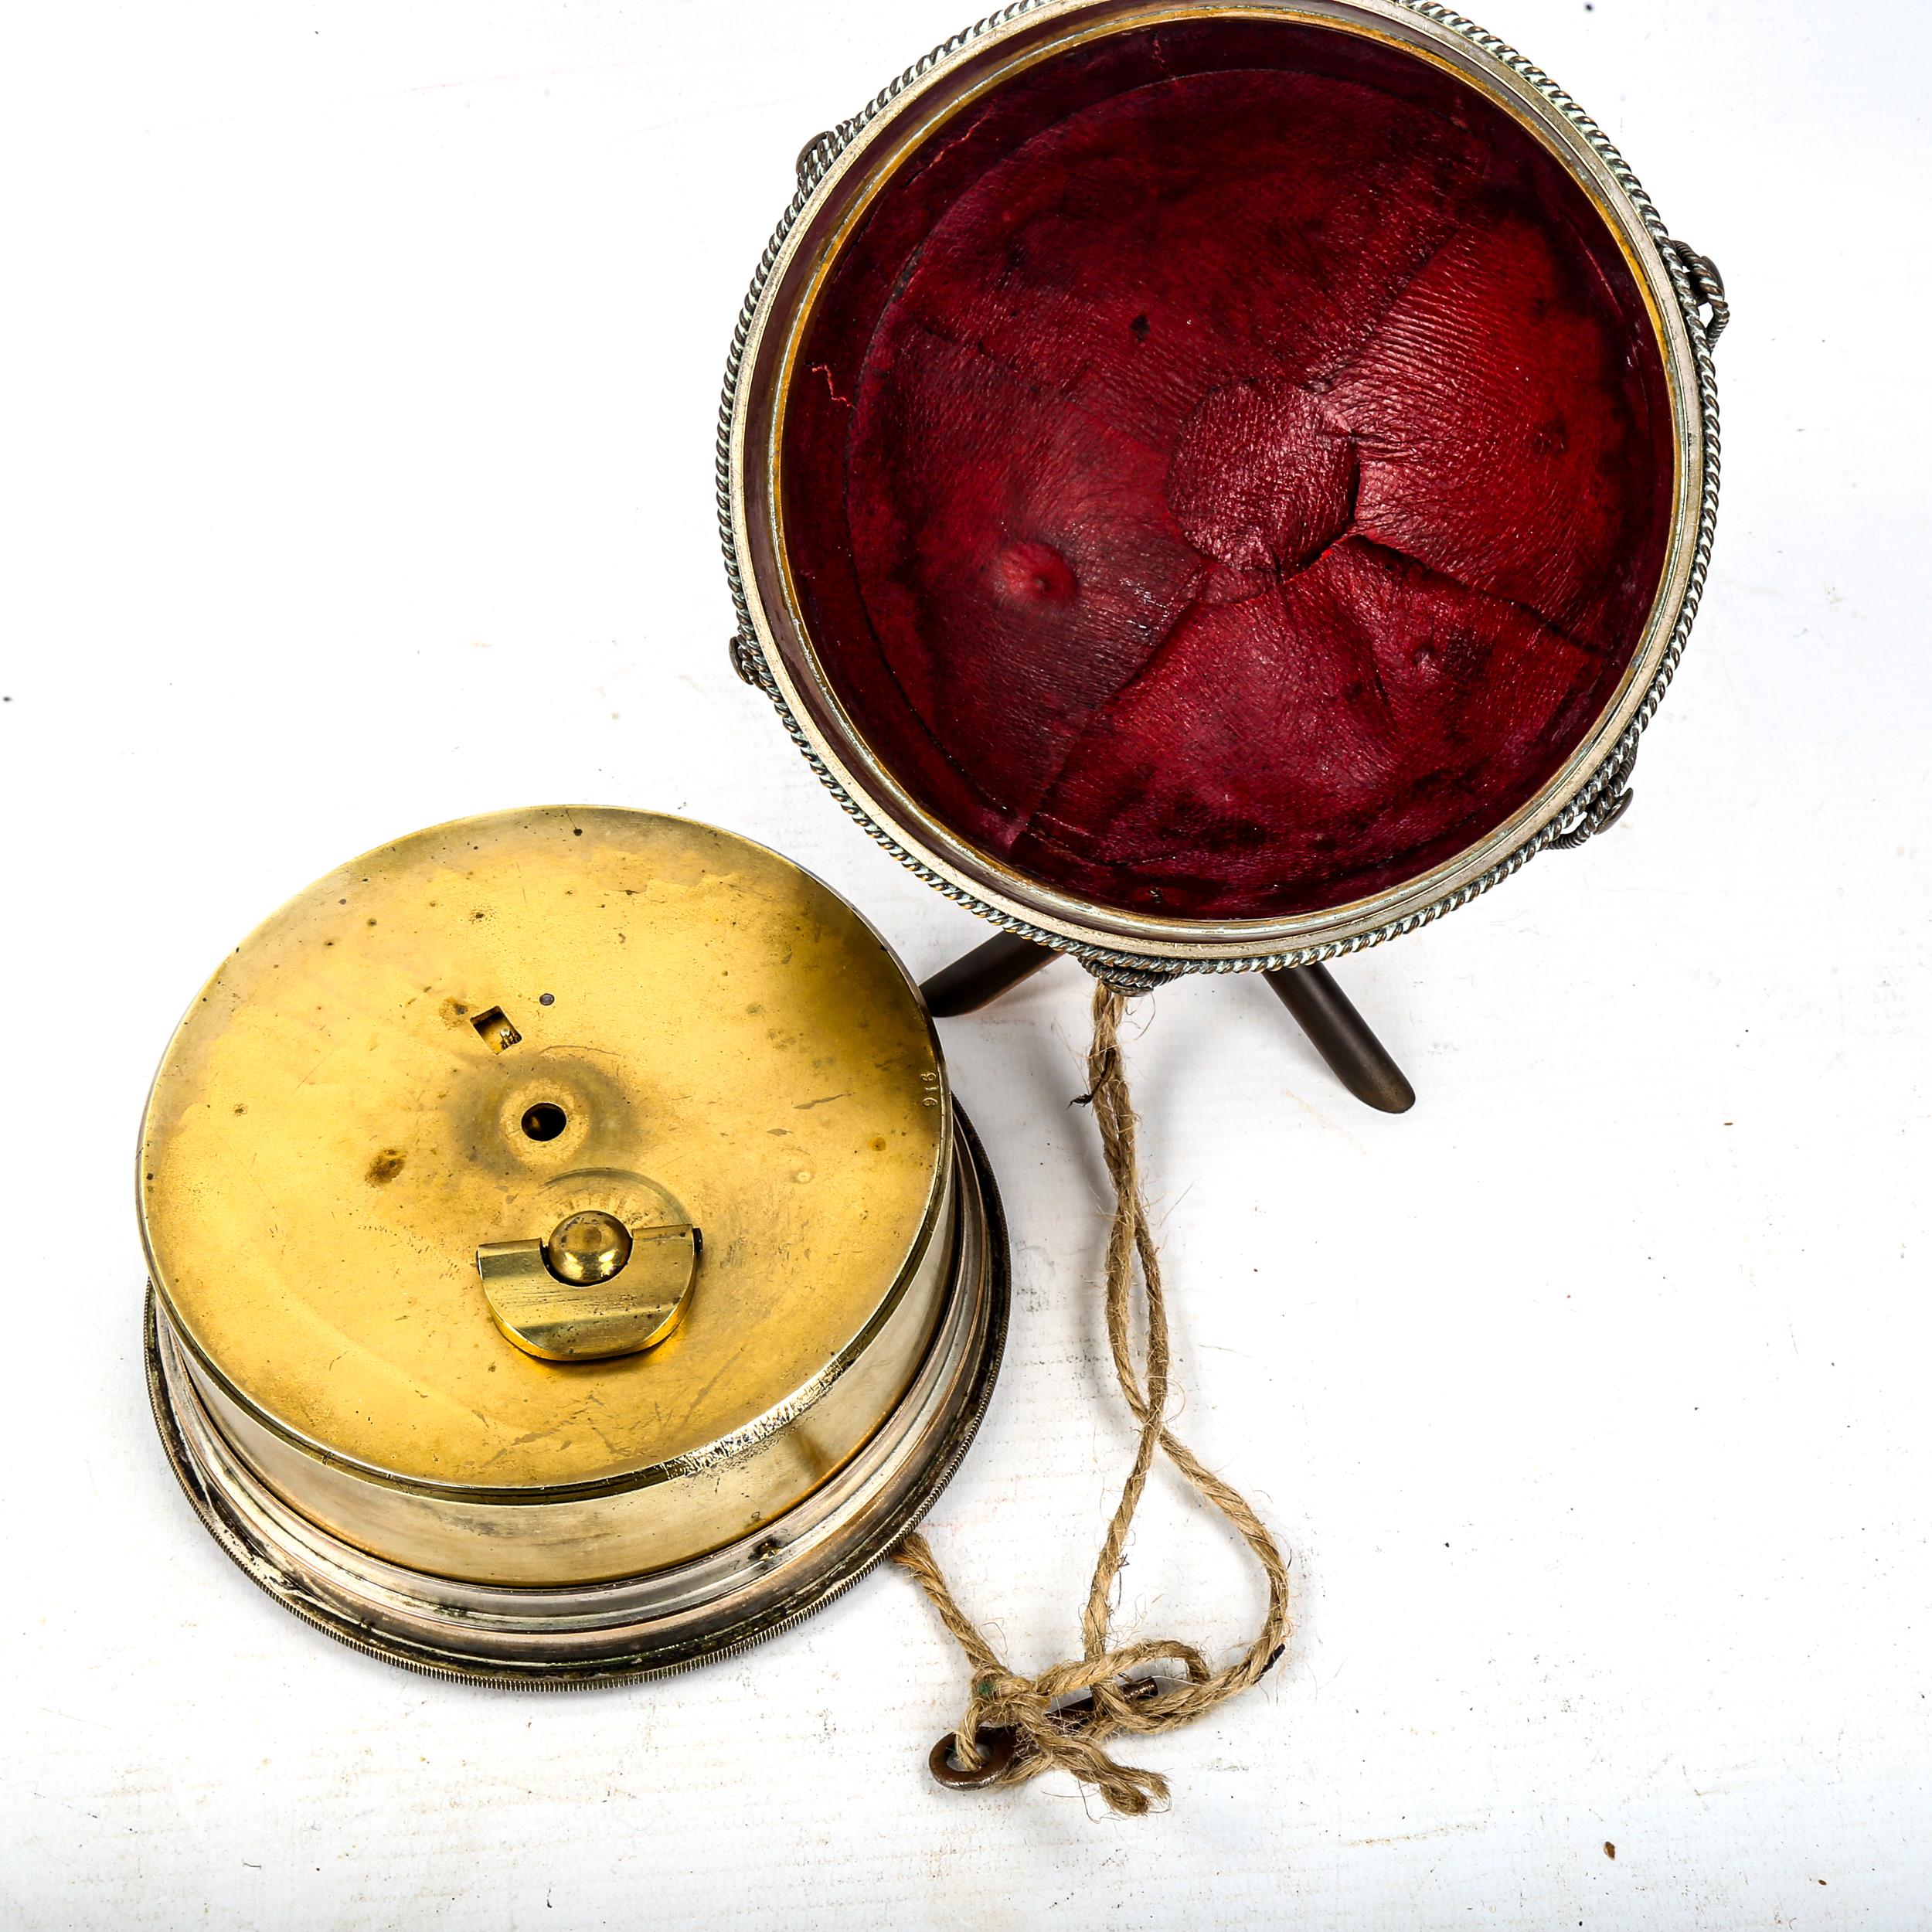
1049	1735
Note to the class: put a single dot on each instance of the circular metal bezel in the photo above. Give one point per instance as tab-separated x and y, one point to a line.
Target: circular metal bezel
580	1635
772	648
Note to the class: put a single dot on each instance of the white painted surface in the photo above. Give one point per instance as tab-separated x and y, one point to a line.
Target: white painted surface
356	463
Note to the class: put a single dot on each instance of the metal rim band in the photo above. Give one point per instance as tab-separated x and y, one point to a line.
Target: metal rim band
1596	804
342	1592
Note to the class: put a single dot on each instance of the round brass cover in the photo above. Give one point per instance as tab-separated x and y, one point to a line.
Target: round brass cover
462	1039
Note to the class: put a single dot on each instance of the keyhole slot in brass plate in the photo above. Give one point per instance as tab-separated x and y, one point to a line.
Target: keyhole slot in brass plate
494	1030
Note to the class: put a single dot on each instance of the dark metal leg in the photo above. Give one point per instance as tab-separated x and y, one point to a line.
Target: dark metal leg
1343	1038
986	972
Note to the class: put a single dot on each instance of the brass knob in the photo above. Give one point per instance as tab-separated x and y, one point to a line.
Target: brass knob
599	1284
586	1248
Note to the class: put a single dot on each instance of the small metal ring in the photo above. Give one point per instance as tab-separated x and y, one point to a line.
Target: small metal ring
995	1747
803	165
1619	807
1129	981
741	660
1707	283
1613	799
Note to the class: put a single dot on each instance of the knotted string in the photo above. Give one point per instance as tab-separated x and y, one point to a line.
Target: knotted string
1047	1736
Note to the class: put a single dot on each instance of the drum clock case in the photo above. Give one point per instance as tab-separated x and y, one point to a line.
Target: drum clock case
568	1261
1209	484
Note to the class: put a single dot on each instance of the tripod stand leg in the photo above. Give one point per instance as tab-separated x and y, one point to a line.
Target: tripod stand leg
1343	1038
983	973
1340	1034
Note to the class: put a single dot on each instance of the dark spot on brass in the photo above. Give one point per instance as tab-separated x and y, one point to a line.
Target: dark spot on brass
386	1166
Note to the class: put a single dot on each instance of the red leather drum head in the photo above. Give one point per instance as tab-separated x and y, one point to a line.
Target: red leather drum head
1227	469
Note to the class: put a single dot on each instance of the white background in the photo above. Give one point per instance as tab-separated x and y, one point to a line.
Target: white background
360	369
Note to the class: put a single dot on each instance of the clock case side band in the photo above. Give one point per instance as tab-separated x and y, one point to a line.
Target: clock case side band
577	1637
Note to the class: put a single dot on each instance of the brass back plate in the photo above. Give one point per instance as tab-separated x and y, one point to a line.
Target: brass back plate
458	1039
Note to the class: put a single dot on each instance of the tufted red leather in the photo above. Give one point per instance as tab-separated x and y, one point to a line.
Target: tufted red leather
1231	473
